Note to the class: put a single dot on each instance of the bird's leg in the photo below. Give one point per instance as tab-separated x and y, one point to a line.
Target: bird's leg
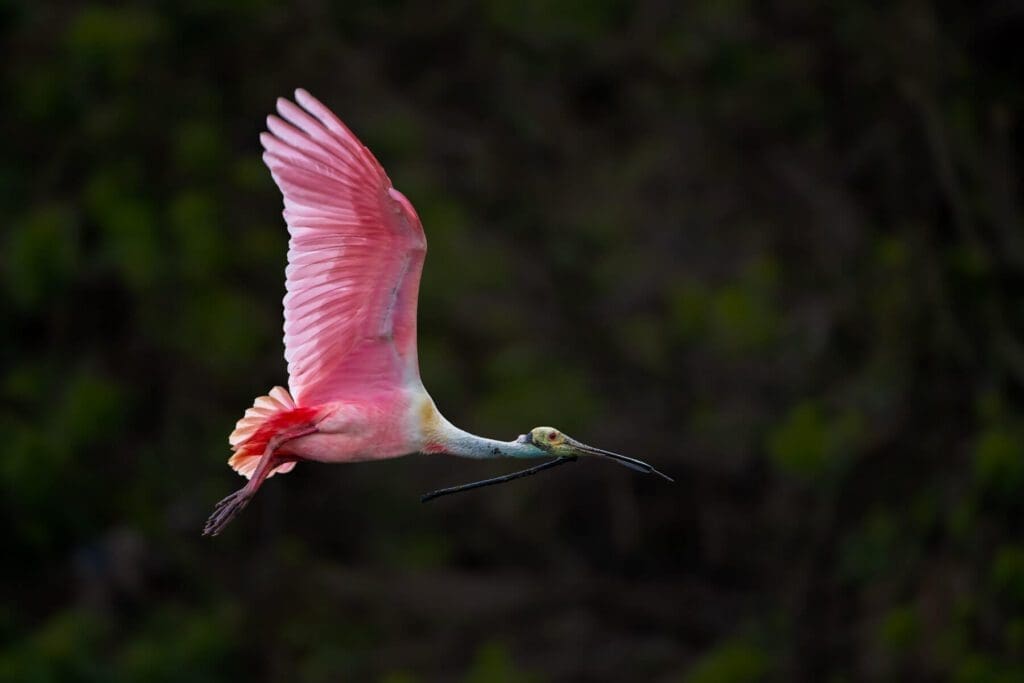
561	460
228	508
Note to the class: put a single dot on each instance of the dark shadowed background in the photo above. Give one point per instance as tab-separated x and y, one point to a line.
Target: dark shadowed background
774	248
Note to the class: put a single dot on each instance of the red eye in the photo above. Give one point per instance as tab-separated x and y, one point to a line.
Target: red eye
552	436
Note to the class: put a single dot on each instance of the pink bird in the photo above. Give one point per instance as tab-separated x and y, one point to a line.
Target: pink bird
354	262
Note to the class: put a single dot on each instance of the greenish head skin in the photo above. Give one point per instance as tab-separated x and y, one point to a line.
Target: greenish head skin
561	445
551	440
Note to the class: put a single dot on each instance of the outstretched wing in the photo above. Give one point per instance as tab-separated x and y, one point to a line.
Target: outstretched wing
354	258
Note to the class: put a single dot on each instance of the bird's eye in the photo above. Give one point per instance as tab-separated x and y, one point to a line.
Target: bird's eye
552	436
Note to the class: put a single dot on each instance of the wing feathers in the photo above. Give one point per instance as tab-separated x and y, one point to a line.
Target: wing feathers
355	245
346	152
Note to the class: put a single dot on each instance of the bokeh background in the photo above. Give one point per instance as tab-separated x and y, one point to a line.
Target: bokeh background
775	248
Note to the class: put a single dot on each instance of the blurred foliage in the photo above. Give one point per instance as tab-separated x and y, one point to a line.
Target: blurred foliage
493	664
776	248
732	662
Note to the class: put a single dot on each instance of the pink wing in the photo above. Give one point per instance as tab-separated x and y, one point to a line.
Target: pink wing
354	259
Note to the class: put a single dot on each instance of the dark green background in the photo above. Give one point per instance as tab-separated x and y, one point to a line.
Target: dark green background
775	248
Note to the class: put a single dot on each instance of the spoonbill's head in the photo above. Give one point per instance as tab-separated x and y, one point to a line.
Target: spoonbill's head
562	445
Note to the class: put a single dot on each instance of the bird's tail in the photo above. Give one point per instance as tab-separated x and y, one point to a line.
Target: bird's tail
268	415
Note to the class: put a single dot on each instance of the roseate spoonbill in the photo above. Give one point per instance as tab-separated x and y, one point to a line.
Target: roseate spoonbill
354	261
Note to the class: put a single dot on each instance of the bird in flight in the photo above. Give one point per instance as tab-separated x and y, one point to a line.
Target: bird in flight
355	255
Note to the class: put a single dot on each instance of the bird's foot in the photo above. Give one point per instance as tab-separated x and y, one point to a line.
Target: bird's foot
225	511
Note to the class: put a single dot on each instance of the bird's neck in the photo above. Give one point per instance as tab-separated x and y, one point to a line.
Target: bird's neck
455	441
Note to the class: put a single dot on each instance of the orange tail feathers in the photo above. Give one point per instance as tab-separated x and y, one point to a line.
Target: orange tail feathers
269	415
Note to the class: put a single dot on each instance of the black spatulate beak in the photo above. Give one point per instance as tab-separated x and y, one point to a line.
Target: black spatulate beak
632	463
